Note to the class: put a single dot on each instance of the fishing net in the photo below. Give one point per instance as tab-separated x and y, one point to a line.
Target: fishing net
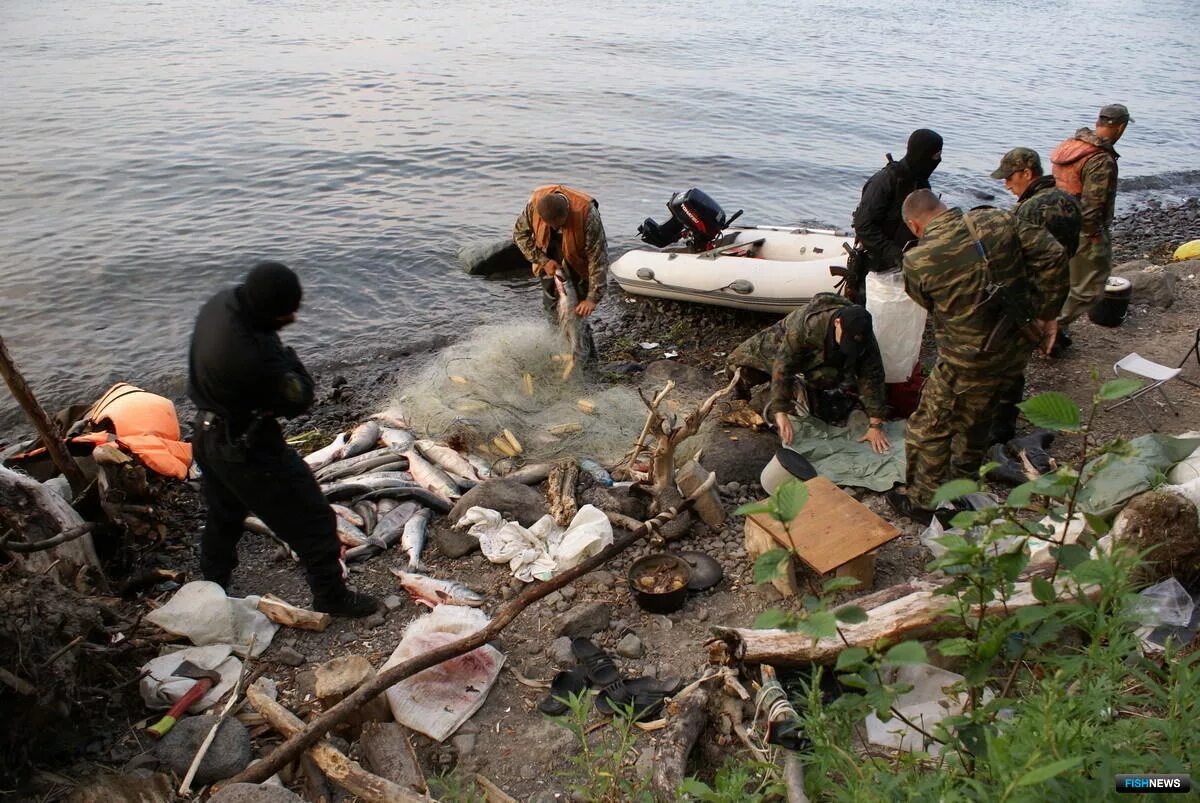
520	377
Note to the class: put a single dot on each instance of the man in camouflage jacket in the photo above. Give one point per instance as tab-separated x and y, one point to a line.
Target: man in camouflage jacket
952	272
1086	166
1040	202
830	342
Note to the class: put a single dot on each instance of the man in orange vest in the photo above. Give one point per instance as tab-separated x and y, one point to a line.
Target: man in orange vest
561	234
1086	166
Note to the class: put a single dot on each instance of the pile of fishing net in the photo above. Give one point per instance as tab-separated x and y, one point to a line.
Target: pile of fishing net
513	390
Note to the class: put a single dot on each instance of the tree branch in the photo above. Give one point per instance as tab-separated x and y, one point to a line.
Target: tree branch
37	546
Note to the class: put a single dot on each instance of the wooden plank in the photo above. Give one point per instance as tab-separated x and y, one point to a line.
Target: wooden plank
832	529
759	541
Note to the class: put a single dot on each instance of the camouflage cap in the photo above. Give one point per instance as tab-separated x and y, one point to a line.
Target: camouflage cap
1115	113
1017	159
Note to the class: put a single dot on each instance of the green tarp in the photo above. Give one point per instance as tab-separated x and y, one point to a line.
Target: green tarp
836	455
1112	479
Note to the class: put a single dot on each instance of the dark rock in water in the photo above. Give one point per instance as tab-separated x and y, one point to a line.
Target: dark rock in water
228	755
513	500
735	454
255	793
454	543
498	256
686	377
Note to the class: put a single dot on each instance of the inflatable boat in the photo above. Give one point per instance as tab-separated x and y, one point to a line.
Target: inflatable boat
761	268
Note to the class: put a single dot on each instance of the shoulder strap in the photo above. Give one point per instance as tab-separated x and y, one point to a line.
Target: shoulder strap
987	265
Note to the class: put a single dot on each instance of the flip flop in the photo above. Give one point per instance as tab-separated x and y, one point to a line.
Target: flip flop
599	666
565	683
645	694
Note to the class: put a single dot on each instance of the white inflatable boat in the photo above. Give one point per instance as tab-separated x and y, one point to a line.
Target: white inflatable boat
762	268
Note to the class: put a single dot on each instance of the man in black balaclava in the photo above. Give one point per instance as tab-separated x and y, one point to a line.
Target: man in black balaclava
877	221
241	377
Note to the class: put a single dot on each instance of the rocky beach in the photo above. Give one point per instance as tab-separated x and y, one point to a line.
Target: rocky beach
508	741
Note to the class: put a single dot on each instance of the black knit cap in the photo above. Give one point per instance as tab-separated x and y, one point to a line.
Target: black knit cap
272	290
856	333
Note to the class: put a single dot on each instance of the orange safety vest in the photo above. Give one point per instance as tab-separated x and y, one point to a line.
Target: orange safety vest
141	423
1067	163
574	234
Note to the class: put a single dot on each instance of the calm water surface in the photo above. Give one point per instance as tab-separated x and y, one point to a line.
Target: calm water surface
150	152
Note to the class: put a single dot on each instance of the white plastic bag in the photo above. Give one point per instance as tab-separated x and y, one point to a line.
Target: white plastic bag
1187	469
160	687
898	322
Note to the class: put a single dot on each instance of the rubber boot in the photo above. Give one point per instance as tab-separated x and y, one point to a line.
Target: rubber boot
343	601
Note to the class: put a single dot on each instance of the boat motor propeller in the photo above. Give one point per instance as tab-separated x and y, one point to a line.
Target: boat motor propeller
693	213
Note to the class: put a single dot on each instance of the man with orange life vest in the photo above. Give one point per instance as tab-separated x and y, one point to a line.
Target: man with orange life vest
1086	166
241	377
561	234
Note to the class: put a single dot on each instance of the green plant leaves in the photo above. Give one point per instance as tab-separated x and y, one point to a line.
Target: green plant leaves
822	624
1043	590
954	646
850	658
906	652
774	618
834	584
851	614
1119	388
1054	411
955	489
771	565
789	499
1097	524
751	508
1048	771
1070	555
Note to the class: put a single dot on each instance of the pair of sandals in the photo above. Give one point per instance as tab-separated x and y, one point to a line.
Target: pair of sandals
596	670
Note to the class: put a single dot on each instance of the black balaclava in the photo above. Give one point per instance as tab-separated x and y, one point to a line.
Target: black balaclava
271	291
924	152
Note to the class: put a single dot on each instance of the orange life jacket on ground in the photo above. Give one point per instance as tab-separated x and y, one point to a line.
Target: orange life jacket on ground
1067	163
574	244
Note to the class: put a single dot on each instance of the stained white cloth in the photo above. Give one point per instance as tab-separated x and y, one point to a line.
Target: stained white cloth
160	687
543	550
202	613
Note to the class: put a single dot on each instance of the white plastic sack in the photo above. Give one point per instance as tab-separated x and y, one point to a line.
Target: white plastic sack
1187	469
1165	603
898	322
160	687
438	700
202	613
542	550
926	705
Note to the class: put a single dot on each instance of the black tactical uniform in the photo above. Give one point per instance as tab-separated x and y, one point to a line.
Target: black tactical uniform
241	377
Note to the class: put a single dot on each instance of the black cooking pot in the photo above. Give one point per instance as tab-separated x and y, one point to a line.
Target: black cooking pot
664	602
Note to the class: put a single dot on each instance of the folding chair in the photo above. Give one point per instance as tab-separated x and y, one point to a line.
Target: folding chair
1157	376
1193	351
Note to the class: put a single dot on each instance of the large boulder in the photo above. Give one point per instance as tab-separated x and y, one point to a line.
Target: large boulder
1152	284
513	500
493	256
735	454
1166	524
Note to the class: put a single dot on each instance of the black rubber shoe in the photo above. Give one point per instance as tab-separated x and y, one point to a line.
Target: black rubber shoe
1061	343
344	602
903	506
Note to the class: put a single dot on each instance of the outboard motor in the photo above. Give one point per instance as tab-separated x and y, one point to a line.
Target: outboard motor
693	213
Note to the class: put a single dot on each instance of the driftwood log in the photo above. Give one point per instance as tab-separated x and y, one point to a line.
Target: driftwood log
299	742
919	614
284	613
336	765
686	715
560	491
40	529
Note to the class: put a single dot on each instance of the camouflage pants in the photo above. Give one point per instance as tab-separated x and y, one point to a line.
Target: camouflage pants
947	436
1089	271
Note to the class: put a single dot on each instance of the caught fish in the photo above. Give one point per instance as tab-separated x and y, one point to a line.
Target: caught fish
416	530
531	474
446	458
349	515
570	325
391	418
369	513
350	535
400	439
257	526
431	591
357	486
430	476
374	460
415	492
483	469
326	454
384	506
388	531
362	439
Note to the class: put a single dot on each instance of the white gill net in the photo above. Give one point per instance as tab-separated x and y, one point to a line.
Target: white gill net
520	377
